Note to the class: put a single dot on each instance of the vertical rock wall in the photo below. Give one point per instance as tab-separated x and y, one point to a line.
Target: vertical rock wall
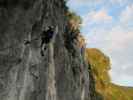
24	73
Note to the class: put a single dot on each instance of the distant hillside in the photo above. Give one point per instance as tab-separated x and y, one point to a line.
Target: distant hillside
100	65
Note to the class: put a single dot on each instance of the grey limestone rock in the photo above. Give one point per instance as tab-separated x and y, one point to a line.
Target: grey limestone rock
24	73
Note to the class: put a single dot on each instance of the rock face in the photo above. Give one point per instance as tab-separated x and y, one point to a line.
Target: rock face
61	74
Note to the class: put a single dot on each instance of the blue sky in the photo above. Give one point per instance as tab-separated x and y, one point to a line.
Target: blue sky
108	25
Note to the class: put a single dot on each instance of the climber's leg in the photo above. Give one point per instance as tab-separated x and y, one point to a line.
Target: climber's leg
42	42
42	49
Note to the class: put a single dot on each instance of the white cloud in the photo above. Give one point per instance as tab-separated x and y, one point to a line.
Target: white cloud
79	2
127	15
96	17
120	2
75	5
122	78
111	39
100	16
119	37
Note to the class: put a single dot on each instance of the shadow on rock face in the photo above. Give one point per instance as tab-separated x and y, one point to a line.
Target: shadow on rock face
93	93
26	4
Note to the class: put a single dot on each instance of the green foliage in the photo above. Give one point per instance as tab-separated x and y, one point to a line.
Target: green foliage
100	65
74	16
74	20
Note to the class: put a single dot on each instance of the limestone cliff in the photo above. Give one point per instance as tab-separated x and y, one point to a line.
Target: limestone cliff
61	74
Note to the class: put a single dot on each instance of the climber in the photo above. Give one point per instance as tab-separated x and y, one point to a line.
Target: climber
46	37
82	50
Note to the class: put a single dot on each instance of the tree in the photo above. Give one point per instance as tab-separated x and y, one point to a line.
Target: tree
74	20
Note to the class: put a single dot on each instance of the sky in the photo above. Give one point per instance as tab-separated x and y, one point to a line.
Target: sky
108	25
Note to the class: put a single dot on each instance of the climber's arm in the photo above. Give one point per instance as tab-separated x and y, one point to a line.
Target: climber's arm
27	42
